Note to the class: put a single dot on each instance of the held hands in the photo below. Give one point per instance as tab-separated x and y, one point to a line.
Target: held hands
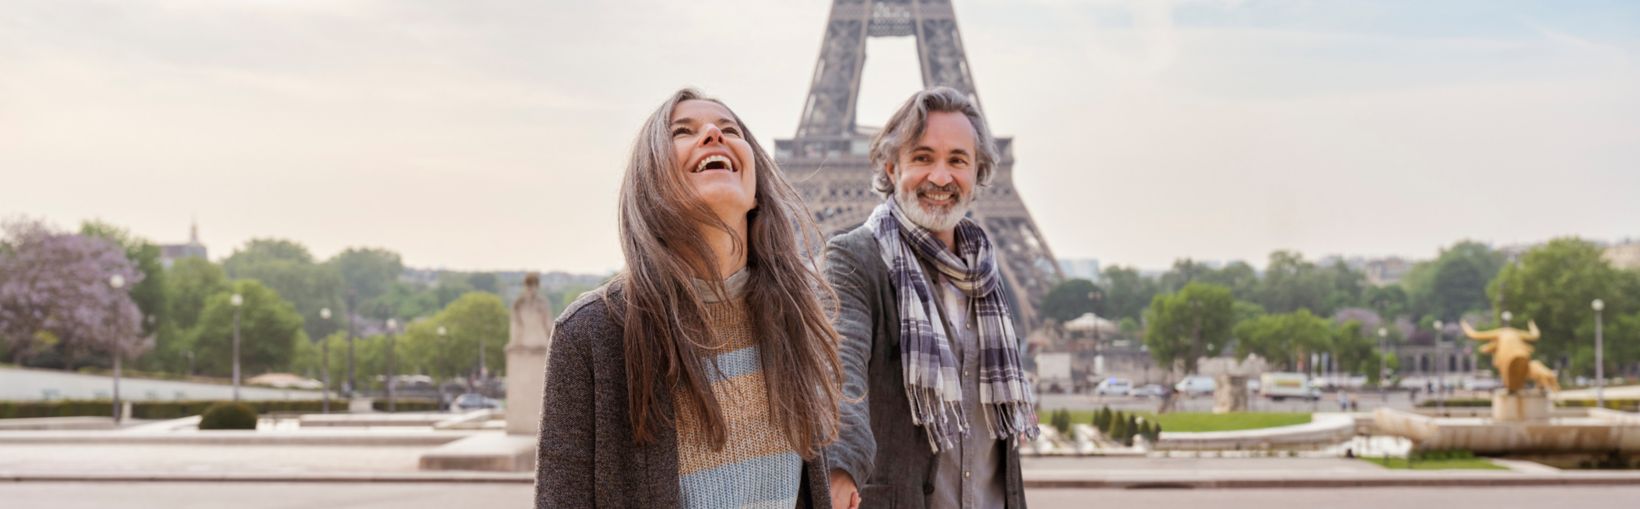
844	494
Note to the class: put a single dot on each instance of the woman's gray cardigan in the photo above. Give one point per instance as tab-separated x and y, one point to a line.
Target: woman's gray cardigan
587	456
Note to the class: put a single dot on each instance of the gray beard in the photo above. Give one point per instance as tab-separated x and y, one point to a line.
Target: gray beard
930	220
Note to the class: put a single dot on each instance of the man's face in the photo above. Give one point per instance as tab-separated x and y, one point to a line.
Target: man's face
934	177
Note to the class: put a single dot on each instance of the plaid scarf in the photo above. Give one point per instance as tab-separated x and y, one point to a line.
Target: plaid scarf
931	381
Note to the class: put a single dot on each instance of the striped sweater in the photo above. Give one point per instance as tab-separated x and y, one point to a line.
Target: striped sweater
757	467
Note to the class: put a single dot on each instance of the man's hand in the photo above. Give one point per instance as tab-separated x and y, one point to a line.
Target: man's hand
844	494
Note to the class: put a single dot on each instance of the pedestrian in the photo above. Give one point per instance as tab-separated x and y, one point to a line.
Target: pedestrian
706	374
936	402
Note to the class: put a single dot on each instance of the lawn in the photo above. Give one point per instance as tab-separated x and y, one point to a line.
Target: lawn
1436	464
1205	421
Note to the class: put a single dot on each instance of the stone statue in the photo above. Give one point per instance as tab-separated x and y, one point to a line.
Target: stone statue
531	331
531	317
1511	351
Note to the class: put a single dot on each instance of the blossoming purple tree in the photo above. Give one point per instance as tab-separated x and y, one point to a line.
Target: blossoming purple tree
55	291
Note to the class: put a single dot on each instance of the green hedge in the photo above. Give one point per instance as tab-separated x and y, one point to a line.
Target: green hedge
177	409
1457	403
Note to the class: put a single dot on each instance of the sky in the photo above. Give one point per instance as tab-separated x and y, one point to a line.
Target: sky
490	135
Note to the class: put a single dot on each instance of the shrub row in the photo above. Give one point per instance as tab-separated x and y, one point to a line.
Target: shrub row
176	409
1123	426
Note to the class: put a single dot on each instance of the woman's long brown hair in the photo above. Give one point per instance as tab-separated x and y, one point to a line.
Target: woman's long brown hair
664	315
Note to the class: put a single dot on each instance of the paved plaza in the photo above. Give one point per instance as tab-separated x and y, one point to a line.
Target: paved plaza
105	495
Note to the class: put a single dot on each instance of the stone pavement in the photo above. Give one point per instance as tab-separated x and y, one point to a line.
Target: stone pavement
59	462
70	495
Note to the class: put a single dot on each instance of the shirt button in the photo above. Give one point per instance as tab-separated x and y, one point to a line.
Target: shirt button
966	474
965	373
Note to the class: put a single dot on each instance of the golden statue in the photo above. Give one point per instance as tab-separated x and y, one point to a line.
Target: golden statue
1511	351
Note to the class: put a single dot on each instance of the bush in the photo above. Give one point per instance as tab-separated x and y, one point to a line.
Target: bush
228	416
1119	431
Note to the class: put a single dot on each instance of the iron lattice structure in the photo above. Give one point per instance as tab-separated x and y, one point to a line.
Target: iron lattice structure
828	162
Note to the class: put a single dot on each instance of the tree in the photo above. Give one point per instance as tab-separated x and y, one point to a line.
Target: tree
1071	299
288	269
368	272
191	282
1285	339
1455	281
1184	272
150	294
1353	350
1553	285
55	292
1184	326
1291	284
484	282
474	319
1388	301
1127	293
269	329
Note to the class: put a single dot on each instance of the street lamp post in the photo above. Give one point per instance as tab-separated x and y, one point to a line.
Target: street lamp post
117	282
480	364
238	302
1599	356
324	359
1383	368
443	333
392	325
1440	372
352	313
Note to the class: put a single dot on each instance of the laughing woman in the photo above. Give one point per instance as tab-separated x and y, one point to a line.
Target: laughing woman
705	375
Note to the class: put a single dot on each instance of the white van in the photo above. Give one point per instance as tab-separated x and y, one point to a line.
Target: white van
1198	385
1114	387
1280	386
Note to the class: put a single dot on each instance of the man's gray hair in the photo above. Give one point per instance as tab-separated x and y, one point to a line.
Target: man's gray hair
908	124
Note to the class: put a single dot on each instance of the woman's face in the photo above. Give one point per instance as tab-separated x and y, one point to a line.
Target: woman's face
714	157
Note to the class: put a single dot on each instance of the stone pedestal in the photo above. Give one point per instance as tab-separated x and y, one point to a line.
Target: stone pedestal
1230	394
531	331
526	382
1523	406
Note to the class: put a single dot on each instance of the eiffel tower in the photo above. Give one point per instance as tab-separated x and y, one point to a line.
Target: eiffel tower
828	161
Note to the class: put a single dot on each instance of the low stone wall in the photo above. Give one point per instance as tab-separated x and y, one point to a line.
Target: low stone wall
1323	430
1599	431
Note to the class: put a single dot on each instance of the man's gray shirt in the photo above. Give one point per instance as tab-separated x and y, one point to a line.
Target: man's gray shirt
973	465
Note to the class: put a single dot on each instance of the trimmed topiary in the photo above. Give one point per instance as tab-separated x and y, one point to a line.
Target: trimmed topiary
228	416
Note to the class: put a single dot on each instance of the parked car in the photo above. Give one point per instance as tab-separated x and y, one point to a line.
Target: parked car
1114	387
1196	385
473	401
1280	386
1150	391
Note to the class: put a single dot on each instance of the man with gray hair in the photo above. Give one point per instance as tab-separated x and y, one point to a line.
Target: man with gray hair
937	401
